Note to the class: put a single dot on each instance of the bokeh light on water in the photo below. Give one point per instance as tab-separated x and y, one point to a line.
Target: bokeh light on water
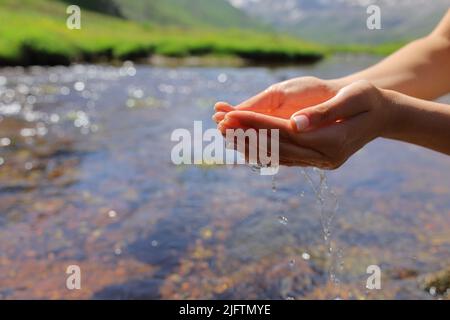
86	179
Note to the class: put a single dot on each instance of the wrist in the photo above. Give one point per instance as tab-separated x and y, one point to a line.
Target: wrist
393	117
340	83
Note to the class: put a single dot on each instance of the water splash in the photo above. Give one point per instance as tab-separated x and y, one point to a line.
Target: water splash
283	220
328	207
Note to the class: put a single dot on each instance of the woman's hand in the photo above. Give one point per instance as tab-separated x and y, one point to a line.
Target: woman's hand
285	98
327	134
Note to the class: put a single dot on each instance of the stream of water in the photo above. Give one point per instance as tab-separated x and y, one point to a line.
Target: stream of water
328	208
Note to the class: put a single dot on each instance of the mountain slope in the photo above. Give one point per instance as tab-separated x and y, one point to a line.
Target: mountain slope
186	13
344	21
35	32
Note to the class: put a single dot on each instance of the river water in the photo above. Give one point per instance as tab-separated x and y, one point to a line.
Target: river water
86	179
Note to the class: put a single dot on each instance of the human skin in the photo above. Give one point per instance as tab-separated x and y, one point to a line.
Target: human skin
421	69
356	116
334	126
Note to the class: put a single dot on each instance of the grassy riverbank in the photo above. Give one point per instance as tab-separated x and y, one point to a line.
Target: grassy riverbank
34	32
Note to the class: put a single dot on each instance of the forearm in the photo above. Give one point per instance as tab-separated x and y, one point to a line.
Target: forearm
420	69
417	121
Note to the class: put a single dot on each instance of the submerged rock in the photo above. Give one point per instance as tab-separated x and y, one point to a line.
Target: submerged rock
438	282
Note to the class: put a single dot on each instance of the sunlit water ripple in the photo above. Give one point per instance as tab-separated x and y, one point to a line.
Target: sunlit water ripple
86	179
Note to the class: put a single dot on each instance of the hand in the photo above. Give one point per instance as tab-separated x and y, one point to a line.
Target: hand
327	134
285	98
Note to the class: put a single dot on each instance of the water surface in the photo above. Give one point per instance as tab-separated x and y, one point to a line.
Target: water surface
86	179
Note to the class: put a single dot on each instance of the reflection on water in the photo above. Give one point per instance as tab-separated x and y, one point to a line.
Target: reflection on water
86	179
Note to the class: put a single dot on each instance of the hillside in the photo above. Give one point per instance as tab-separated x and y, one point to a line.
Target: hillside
184	13
34	32
343	21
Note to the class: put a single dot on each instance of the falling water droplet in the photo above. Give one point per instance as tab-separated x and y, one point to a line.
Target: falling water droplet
283	220
292	263
274	184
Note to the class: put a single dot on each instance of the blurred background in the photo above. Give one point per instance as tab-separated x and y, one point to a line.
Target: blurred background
86	177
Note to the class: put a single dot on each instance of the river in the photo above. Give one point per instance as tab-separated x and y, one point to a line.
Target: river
86	179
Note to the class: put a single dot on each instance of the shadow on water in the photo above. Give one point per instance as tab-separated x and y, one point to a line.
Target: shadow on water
176	232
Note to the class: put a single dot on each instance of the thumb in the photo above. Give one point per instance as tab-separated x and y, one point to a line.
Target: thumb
339	107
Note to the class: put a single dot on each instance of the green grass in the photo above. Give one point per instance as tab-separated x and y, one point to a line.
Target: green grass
34	32
381	49
185	13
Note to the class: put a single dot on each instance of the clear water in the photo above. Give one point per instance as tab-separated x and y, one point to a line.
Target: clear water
86	178
328	208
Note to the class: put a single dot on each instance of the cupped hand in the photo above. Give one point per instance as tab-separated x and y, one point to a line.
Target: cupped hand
327	134
285	98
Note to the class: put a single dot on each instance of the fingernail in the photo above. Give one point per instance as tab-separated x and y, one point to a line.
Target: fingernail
302	122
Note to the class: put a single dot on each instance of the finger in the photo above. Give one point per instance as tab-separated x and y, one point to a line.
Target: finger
289	152
218	116
223	107
327	138
299	154
340	107
258	121
285	152
261	156
255	148
246	120
230	124
251	151
263	102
